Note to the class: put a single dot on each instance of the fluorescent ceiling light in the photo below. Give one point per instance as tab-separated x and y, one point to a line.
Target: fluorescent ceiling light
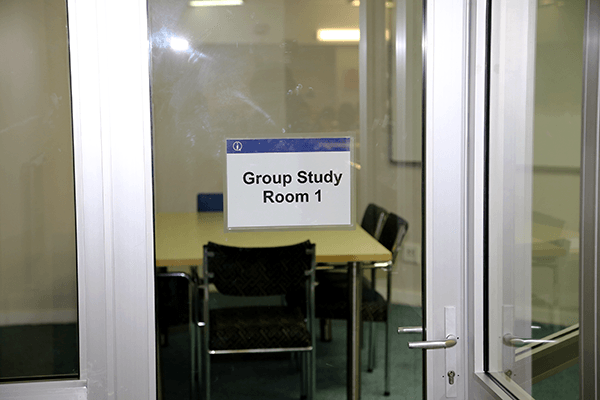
211	3
545	3
338	35
342	35
388	4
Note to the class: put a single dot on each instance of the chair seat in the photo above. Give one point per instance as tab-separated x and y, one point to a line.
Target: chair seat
265	327
332	296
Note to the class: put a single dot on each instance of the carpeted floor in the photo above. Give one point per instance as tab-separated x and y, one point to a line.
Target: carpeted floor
43	350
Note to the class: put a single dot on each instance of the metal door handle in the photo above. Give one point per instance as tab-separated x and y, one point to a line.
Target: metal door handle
410	329
434	344
511	340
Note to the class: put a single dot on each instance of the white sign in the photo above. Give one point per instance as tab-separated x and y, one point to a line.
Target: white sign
277	183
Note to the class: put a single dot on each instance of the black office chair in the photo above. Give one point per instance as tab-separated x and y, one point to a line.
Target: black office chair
332	293
177	303
210	202
372	222
268	271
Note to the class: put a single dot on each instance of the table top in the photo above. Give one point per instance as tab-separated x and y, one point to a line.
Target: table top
179	238
544	241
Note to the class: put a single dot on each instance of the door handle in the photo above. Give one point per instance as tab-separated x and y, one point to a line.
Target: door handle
450	341
434	344
427	345
410	329
511	340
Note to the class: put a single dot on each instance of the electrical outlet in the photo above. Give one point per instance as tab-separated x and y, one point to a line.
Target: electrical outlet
411	252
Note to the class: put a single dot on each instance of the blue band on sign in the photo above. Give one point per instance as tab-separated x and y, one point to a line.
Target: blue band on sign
287	145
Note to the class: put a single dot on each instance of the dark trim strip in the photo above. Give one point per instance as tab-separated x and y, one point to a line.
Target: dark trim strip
548	169
486	188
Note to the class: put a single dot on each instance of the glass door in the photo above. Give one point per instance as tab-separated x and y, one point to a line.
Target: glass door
280	69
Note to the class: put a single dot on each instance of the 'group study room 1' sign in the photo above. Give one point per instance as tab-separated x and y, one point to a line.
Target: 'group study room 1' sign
278	183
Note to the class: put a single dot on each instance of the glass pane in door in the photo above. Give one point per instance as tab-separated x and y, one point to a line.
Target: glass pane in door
403	169
38	275
287	69
533	196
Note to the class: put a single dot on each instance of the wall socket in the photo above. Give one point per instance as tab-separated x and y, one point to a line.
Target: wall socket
411	253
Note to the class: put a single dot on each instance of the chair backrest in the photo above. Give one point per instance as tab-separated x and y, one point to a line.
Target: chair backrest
393	232
258	271
210	202
373	220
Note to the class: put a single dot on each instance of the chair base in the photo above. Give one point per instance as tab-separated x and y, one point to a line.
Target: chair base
326	330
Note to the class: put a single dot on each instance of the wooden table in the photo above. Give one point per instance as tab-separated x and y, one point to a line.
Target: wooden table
179	238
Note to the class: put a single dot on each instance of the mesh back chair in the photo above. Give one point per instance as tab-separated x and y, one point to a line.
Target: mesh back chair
372	222
177	303
268	271
332	293
210	202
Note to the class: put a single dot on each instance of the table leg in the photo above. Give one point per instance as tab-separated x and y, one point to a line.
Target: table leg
353	331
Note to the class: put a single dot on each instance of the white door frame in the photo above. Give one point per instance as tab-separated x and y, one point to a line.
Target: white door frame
445	228
109	54
455	128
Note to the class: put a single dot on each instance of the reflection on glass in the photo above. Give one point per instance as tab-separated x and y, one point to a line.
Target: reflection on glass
179	44
255	70
38	287
534	201
259	70
556	196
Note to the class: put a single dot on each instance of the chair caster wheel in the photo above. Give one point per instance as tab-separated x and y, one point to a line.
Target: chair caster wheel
303	397
369	370
386	394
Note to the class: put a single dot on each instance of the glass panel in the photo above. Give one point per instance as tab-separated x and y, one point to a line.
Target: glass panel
534	197
261	69
38	286
402	168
